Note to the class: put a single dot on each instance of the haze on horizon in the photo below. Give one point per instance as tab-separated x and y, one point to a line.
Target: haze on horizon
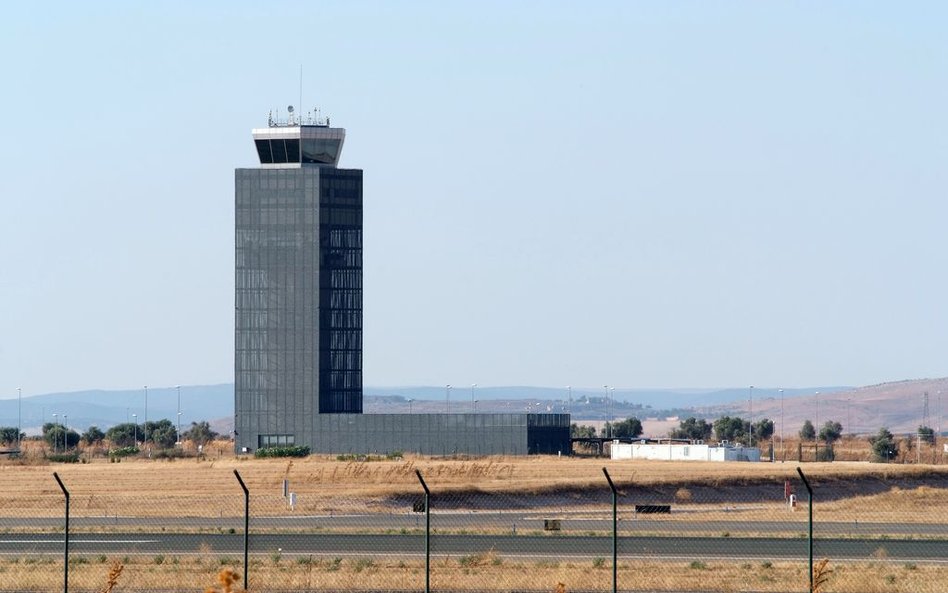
632	194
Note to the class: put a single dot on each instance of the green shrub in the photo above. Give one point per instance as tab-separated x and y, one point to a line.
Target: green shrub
63	457
171	454
290	451
826	454
697	565
123	452
363	563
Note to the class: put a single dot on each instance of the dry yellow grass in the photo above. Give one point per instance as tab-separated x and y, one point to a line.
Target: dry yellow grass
496	574
208	488
193	488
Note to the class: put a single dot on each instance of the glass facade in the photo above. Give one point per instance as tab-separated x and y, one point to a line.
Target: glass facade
298	319
298	300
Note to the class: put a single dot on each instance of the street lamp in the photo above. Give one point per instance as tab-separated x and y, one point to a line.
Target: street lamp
612	403
569	400
849	426
781	419
178	389
135	419
178	432
55	438
750	398
409	405
608	423
817	396
473	404
145	423
447	398
65	432
19	416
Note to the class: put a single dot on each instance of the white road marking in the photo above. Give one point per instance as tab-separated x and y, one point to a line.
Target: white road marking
78	541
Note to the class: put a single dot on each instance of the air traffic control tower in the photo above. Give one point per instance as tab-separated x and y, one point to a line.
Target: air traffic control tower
298	315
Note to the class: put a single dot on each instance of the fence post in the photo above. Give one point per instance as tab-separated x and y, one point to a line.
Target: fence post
615	534
427	532
809	504
66	539
246	526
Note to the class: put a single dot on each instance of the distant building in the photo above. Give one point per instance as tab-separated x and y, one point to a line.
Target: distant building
676	451
298	316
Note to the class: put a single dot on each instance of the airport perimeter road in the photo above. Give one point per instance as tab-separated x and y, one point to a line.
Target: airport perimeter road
506	545
498	521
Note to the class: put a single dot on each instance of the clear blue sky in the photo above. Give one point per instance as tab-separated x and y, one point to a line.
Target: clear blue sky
662	194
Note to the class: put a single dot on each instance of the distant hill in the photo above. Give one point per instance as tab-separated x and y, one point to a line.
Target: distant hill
216	403
898	405
107	408
654	398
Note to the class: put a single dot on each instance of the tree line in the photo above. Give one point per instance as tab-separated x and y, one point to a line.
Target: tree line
883	445
162	434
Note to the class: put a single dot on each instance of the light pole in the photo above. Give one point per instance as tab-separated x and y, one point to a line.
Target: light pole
409	405
781	420
55	438
849	417
475	406
473	403
65	432
19	416
178	433
938	413
447	398
145	423
817	396
569	400
135	418
608	422
612	403
750	399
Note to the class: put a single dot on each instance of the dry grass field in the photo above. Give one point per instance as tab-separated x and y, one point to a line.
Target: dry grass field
472	573
207	488
534	486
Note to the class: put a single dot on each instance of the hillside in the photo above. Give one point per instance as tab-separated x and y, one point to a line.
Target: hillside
897	405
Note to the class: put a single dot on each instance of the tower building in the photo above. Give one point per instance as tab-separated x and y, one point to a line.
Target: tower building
298	317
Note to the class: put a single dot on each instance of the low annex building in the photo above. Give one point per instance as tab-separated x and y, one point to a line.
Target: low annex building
678	451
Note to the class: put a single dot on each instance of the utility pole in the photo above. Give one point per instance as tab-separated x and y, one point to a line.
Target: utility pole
19	417
750	399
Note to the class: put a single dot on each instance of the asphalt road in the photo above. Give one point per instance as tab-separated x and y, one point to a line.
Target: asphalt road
508	545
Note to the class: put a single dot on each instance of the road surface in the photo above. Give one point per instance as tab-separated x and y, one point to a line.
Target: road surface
559	546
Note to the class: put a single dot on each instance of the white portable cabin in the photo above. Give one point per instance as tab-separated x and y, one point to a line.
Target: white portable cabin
677	451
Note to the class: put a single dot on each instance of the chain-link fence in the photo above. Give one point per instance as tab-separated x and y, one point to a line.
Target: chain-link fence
495	524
